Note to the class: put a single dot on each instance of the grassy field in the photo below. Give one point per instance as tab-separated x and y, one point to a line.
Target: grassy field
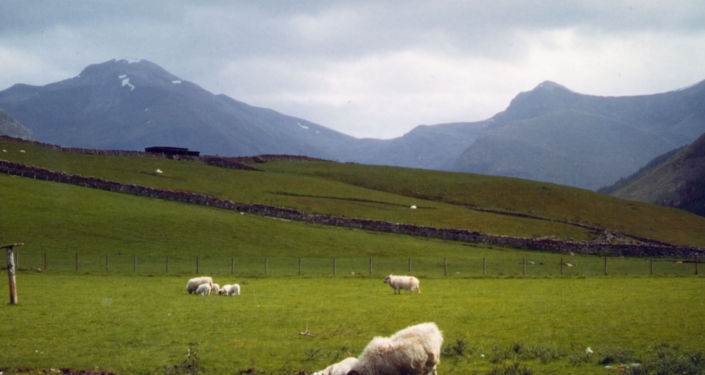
141	321
146	325
385	193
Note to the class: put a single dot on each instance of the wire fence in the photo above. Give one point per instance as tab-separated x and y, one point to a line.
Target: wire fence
534	265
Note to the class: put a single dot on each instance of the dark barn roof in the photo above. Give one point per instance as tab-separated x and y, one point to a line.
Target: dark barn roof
170	151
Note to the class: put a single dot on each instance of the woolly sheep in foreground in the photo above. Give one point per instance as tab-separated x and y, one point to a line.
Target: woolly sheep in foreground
203	290
230	290
409	283
415	350
193	284
340	368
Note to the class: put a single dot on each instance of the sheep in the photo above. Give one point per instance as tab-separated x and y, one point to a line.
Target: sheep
193	284
215	287
340	368
415	350
409	283
203	290
230	290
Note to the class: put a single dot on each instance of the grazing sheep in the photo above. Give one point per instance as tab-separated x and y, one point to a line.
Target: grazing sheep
409	283
230	290
215	288
203	290
193	284
340	368
415	350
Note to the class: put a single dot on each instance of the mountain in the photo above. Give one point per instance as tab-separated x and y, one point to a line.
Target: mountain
8	126
553	134
675	179
121	104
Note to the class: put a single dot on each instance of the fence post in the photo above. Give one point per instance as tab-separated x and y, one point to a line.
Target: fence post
370	266
45	261
696	264
484	266
606	265
334	265
651	266
167	264
134	263
523	271
77	261
107	263
197	264
11	272
561	266
266	265
409	266
299	266
232	265
445	266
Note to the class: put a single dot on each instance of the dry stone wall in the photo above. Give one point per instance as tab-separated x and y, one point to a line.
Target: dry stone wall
544	244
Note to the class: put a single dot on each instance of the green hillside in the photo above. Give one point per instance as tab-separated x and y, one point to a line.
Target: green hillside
386	193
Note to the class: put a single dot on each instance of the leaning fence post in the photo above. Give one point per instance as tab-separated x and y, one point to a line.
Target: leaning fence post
11	271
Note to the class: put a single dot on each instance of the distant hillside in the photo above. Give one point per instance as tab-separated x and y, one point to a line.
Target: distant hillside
554	134
8	126
675	179
547	134
122	104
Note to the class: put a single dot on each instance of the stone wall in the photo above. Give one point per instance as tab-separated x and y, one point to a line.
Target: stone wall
544	244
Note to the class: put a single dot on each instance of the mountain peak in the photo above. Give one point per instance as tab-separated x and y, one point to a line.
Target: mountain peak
550	86
128	71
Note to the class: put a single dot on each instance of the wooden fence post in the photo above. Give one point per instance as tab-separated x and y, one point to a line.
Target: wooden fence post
167	264
409	266
232	265
651	265
197	264
134	263
606	273
334	265
523	271
45	261
11	271
107	263
77	261
696	264
266	265
561	266
299	266
370	266
484	266
445	266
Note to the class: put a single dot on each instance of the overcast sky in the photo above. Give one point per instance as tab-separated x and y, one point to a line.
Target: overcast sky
367	68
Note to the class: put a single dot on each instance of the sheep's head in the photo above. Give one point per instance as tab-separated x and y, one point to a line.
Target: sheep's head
388	279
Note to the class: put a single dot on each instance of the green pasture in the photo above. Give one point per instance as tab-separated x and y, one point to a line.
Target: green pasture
385	193
142	324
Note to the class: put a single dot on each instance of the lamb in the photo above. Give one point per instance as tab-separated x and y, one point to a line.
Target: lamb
203	290
409	283
215	288
340	368
230	290
415	350
193	284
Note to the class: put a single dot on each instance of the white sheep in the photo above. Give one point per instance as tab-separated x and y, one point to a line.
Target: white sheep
215	288
415	350
409	283
203	290
193	284
230	290
340	368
